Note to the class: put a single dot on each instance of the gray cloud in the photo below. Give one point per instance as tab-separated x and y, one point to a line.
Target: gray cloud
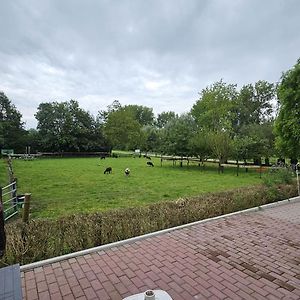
154	53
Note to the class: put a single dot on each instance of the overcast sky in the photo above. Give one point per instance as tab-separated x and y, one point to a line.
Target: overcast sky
154	53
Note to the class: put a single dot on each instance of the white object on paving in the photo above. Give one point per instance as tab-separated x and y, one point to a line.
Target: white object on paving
159	295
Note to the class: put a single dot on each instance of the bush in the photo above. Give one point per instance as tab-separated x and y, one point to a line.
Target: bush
278	176
43	238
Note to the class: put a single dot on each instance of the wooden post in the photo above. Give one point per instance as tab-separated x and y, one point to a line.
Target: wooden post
26	208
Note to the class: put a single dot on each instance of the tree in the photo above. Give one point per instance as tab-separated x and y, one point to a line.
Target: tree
254	104
164	117
152	141
176	135
143	114
200	145
63	126
32	140
12	132
214	111
220	143
260	140
103	114
123	131
287	125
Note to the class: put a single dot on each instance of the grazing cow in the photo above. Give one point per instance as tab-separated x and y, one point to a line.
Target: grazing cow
108	170
150	164
102	157
127	171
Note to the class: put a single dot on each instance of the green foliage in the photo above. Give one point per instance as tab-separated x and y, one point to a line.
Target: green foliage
200	145
254	104
220	143
287	125
12	133
278	176
164	117
152	140
41	239
214	111
143	114
123	131
63	126
176	135
257	140
72	185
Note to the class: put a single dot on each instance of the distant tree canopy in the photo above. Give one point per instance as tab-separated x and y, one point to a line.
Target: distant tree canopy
246	116
176	135
122	130
287	125
225	122
164	117
214	111
63	126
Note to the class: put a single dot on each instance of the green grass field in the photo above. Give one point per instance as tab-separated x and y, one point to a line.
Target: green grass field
3	173
65	186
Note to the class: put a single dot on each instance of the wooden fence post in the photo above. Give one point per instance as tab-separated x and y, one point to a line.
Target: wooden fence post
26	208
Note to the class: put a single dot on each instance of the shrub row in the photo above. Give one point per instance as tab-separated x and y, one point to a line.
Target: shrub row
45	238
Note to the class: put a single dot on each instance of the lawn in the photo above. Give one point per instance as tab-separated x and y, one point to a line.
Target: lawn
65	186
3	173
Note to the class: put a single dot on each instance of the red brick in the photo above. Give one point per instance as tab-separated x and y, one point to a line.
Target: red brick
32	294
217	293
102	294
89	293
42	286
44	295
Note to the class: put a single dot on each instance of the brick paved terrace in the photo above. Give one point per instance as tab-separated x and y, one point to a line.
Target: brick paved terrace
255	255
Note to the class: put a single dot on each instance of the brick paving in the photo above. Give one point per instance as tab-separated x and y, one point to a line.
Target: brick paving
247	256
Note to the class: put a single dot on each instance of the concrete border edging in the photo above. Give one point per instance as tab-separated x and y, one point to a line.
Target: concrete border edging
152	234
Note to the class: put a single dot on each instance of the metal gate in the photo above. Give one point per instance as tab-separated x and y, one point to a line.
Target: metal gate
9	199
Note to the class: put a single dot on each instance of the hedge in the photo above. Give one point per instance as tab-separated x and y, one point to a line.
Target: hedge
45	238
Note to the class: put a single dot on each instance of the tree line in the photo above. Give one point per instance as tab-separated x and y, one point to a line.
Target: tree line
257	120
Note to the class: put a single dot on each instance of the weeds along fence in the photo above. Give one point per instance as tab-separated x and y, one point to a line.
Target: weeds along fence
45	238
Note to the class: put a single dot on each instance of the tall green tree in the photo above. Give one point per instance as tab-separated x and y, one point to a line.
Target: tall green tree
152	141
164	117
287	125
220	143
176	135
143	114
200	145
12	132
123	131
64	126
215	110
254	104
103	114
